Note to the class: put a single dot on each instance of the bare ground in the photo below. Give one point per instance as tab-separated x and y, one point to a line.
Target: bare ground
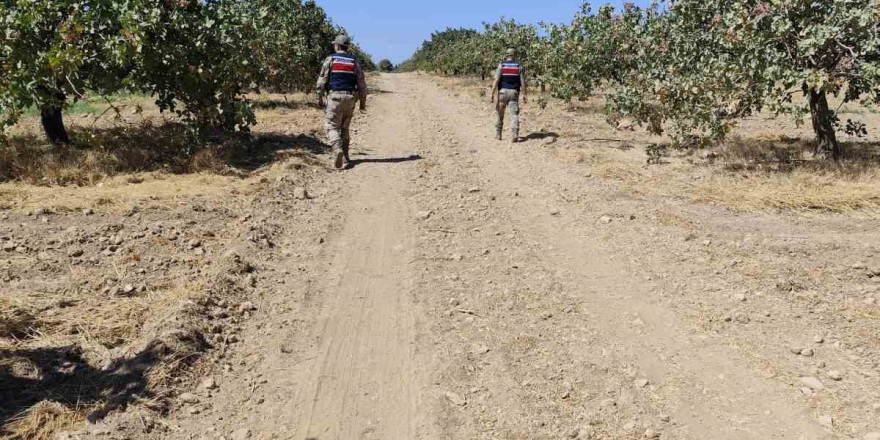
454	286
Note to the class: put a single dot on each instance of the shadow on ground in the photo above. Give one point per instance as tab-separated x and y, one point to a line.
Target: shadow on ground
383	160
274	104
791	154
61	375
541	135
97	153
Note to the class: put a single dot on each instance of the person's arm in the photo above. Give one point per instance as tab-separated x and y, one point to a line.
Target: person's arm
362	86
495	84
323	79
525	86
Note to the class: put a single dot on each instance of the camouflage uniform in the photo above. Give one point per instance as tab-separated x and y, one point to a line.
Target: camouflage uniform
508	99
340	106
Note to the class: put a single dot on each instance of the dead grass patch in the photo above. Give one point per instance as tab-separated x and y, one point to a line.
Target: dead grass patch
750	174
800	191
156	144
619	172
42	421
669	218
146	344
16	321
116	194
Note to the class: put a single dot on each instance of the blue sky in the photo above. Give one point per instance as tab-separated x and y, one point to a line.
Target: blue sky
393	29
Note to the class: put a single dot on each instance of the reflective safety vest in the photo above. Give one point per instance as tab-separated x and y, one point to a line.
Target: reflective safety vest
511	73
342	72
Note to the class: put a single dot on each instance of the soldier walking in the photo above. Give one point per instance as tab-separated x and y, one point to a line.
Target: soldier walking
510	81
340	86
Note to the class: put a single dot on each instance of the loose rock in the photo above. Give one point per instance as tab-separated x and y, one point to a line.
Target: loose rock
456	399
812	383
209	384
835	375
241	434
189	398
246	306
300	193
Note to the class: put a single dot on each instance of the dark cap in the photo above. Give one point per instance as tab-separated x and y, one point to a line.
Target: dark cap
342	40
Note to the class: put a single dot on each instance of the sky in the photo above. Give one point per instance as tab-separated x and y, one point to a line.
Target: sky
394	29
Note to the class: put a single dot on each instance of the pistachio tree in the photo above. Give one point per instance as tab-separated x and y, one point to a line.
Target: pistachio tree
523	38
597	48
705	64
292	40
53	51
386	65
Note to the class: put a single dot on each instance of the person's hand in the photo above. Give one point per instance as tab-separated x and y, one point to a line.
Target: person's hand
492	99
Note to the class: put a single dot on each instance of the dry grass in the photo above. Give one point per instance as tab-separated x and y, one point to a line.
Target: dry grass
765	171
150	142
42	421
668	217
766	166
160	335
91	348
800	191
779	174
99	153
16	321
117	195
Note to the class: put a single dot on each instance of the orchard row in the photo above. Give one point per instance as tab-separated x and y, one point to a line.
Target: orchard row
692	68
198	58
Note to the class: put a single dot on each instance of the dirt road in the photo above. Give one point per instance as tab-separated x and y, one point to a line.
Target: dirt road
468	288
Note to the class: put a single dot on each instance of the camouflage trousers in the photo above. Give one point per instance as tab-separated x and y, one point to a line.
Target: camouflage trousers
337	120
508	99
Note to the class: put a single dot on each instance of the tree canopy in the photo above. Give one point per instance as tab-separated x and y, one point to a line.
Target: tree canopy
199	59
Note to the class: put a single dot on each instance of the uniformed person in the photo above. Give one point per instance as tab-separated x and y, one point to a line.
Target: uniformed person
510	82
340	87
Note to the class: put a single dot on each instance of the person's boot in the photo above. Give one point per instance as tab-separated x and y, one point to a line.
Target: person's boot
498	135
515	138
340	157
346	156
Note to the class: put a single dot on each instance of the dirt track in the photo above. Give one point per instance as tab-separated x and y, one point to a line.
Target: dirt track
469	288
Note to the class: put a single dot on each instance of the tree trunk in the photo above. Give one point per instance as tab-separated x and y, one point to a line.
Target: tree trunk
51	115
826	138
53	123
